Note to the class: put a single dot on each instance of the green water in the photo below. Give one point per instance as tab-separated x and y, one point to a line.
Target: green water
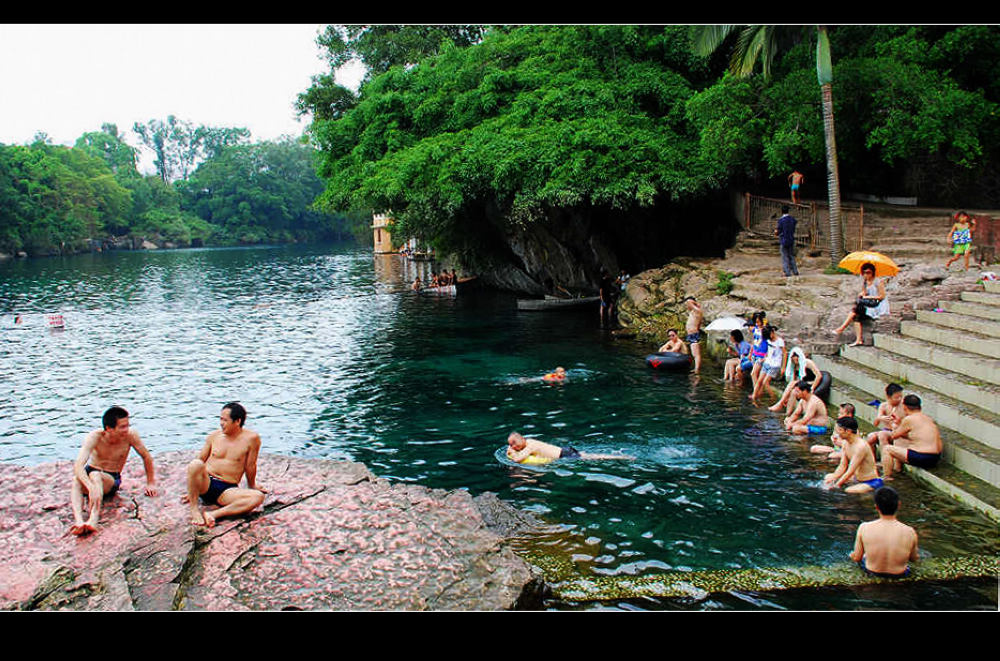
334	357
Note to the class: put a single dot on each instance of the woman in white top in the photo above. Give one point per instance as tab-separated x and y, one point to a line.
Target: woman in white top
871	303
773	363
797	369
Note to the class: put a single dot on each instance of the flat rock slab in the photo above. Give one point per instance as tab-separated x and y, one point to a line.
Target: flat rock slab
329	536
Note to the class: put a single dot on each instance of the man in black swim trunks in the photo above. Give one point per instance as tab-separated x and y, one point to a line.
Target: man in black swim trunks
229	453
520	448
915	441
98	466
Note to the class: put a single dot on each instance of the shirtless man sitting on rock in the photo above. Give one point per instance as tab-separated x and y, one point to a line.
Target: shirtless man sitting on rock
915	441
228	454
810	415
99	465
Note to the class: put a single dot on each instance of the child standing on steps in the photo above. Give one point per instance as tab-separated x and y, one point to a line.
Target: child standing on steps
960	237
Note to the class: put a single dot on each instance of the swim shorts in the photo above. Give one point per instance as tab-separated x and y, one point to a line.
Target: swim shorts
875	483
817	429
922	459
746	365
569	452
795	186
693	338
117	477
215	489
961	248
906	572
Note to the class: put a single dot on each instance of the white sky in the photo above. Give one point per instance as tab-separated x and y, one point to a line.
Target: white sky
67	80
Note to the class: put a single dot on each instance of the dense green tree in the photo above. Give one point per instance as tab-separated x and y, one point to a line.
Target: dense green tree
527	121
260	192
759	43
109	145
54	198
178	145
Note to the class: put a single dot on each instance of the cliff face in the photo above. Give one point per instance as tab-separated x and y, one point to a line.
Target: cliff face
572	246
330	535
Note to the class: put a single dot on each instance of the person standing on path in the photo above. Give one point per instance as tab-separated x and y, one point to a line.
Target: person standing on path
786	233
795	180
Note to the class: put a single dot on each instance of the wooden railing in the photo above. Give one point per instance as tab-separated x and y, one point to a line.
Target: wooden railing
812	232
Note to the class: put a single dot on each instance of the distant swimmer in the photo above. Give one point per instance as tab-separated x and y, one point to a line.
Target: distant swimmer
98	466
520	448
229	453
556	376
416	284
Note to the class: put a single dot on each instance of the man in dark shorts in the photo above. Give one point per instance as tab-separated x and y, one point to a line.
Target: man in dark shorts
98	466
229	453
915	441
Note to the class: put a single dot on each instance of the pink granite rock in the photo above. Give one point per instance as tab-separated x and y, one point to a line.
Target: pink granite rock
330	535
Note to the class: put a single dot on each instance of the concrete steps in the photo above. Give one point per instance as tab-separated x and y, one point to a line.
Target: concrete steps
951	360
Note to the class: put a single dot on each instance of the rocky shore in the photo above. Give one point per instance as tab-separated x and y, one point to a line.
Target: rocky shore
806	308
329	536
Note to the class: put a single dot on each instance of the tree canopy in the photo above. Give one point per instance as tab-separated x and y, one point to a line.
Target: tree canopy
522	121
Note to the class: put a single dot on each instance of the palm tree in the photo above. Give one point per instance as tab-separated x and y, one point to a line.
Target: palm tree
758	43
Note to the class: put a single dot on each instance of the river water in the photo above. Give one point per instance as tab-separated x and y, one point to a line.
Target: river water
334	357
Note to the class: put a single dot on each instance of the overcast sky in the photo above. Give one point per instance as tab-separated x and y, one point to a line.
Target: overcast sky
66	80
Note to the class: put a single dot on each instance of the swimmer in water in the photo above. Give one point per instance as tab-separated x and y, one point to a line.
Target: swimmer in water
558	375
520	448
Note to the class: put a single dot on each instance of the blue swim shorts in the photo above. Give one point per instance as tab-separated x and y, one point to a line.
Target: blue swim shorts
875	483
816	429
215	489
116	476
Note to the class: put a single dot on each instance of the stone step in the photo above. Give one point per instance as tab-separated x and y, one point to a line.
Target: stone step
974	460
900	369
972	309
966	341
970	421
961	322
978	367
982	298
992	286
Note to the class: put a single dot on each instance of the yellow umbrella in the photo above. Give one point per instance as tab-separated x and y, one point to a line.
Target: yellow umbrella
883	265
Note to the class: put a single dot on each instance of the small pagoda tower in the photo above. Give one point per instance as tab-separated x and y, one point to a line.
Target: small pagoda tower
381	226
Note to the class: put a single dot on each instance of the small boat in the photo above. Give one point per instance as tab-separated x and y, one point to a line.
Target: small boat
553	303
440	290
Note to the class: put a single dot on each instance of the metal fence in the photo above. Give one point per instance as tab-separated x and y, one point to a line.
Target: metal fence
813	230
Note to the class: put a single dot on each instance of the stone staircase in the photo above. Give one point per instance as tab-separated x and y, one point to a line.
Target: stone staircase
950	358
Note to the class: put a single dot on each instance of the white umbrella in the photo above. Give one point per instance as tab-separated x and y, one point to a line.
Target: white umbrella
727	323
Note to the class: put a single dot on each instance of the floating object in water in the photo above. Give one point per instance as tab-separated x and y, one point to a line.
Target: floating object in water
555	303
669	360
822	387
56	321
532	461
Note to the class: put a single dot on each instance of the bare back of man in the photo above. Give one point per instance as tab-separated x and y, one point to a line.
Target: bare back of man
886	545
916	441
228	454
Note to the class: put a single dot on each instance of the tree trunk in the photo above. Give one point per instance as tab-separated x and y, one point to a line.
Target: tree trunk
832	177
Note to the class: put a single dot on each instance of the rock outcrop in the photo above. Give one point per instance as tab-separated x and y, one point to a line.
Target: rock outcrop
330	535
